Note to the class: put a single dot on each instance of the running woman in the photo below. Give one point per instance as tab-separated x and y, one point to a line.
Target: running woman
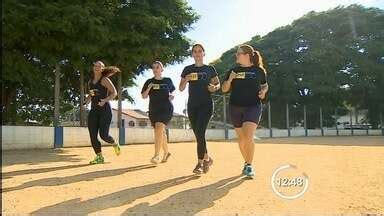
203	81
248	85
160	91
101	91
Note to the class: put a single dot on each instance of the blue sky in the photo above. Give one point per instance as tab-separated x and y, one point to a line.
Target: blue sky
224	24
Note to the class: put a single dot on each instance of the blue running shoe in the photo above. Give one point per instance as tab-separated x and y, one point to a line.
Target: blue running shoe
244	168
249	172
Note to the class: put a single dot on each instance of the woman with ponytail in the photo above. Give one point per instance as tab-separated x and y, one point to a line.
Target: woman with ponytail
101	91
248	85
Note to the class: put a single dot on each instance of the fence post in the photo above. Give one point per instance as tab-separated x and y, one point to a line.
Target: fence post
58	137
269	119
226	135
288	128
321	122
367	131
122	132
381	124
305	121
350	121
337	129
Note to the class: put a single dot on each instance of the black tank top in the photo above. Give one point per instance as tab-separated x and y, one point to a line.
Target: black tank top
100	92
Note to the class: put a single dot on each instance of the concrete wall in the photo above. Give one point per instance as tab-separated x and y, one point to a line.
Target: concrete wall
215	134
314	132
79	136
31	137
231	134
279	133
181	135
375	132
297	132
360	132
262	133
76	136
138	135
330	132
344	132
25	137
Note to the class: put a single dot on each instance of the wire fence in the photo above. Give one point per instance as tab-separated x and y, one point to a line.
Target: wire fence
275	115
306	117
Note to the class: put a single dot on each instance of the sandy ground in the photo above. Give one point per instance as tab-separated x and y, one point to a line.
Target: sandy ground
346	176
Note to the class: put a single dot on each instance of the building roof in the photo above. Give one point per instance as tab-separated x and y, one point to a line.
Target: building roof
139	114
133	113
178	115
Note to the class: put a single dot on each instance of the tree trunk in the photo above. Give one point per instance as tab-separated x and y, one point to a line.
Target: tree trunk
119	91
57	96
82	107
8	99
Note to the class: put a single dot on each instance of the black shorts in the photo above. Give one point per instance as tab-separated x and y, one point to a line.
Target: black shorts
239	115
160	114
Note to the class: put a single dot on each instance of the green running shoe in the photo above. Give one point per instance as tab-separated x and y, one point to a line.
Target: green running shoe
98	160
117	149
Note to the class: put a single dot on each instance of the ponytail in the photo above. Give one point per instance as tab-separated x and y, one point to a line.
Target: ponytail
254	55
257	60
110	71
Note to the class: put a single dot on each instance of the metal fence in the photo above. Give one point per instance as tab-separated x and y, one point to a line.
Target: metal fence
343	120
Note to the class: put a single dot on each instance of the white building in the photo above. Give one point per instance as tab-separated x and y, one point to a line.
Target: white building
359	119
139	119
132	118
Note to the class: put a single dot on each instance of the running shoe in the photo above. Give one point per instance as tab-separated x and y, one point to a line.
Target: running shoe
249	172
155	159
117	149
99	159
207	164
165	158
244	169
198	169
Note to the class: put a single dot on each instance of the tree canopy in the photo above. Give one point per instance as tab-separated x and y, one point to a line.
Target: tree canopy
38	35
324	59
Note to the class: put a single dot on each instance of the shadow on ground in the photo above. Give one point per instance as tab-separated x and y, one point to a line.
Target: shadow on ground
116	199
56	181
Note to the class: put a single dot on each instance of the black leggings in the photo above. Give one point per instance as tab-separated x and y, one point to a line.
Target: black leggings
199	117
98	122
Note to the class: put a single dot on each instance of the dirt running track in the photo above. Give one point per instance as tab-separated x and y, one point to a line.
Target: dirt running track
346	176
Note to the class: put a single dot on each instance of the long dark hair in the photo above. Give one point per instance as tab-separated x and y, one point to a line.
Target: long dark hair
107	71
110	71
254	55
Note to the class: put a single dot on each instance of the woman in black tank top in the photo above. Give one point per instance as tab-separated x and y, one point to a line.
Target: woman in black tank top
101	91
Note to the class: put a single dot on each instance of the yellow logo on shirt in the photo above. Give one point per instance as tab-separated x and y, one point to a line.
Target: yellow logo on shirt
240	75
156	86
194	76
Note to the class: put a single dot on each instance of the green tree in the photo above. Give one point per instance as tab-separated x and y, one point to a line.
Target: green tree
324	59
41	36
